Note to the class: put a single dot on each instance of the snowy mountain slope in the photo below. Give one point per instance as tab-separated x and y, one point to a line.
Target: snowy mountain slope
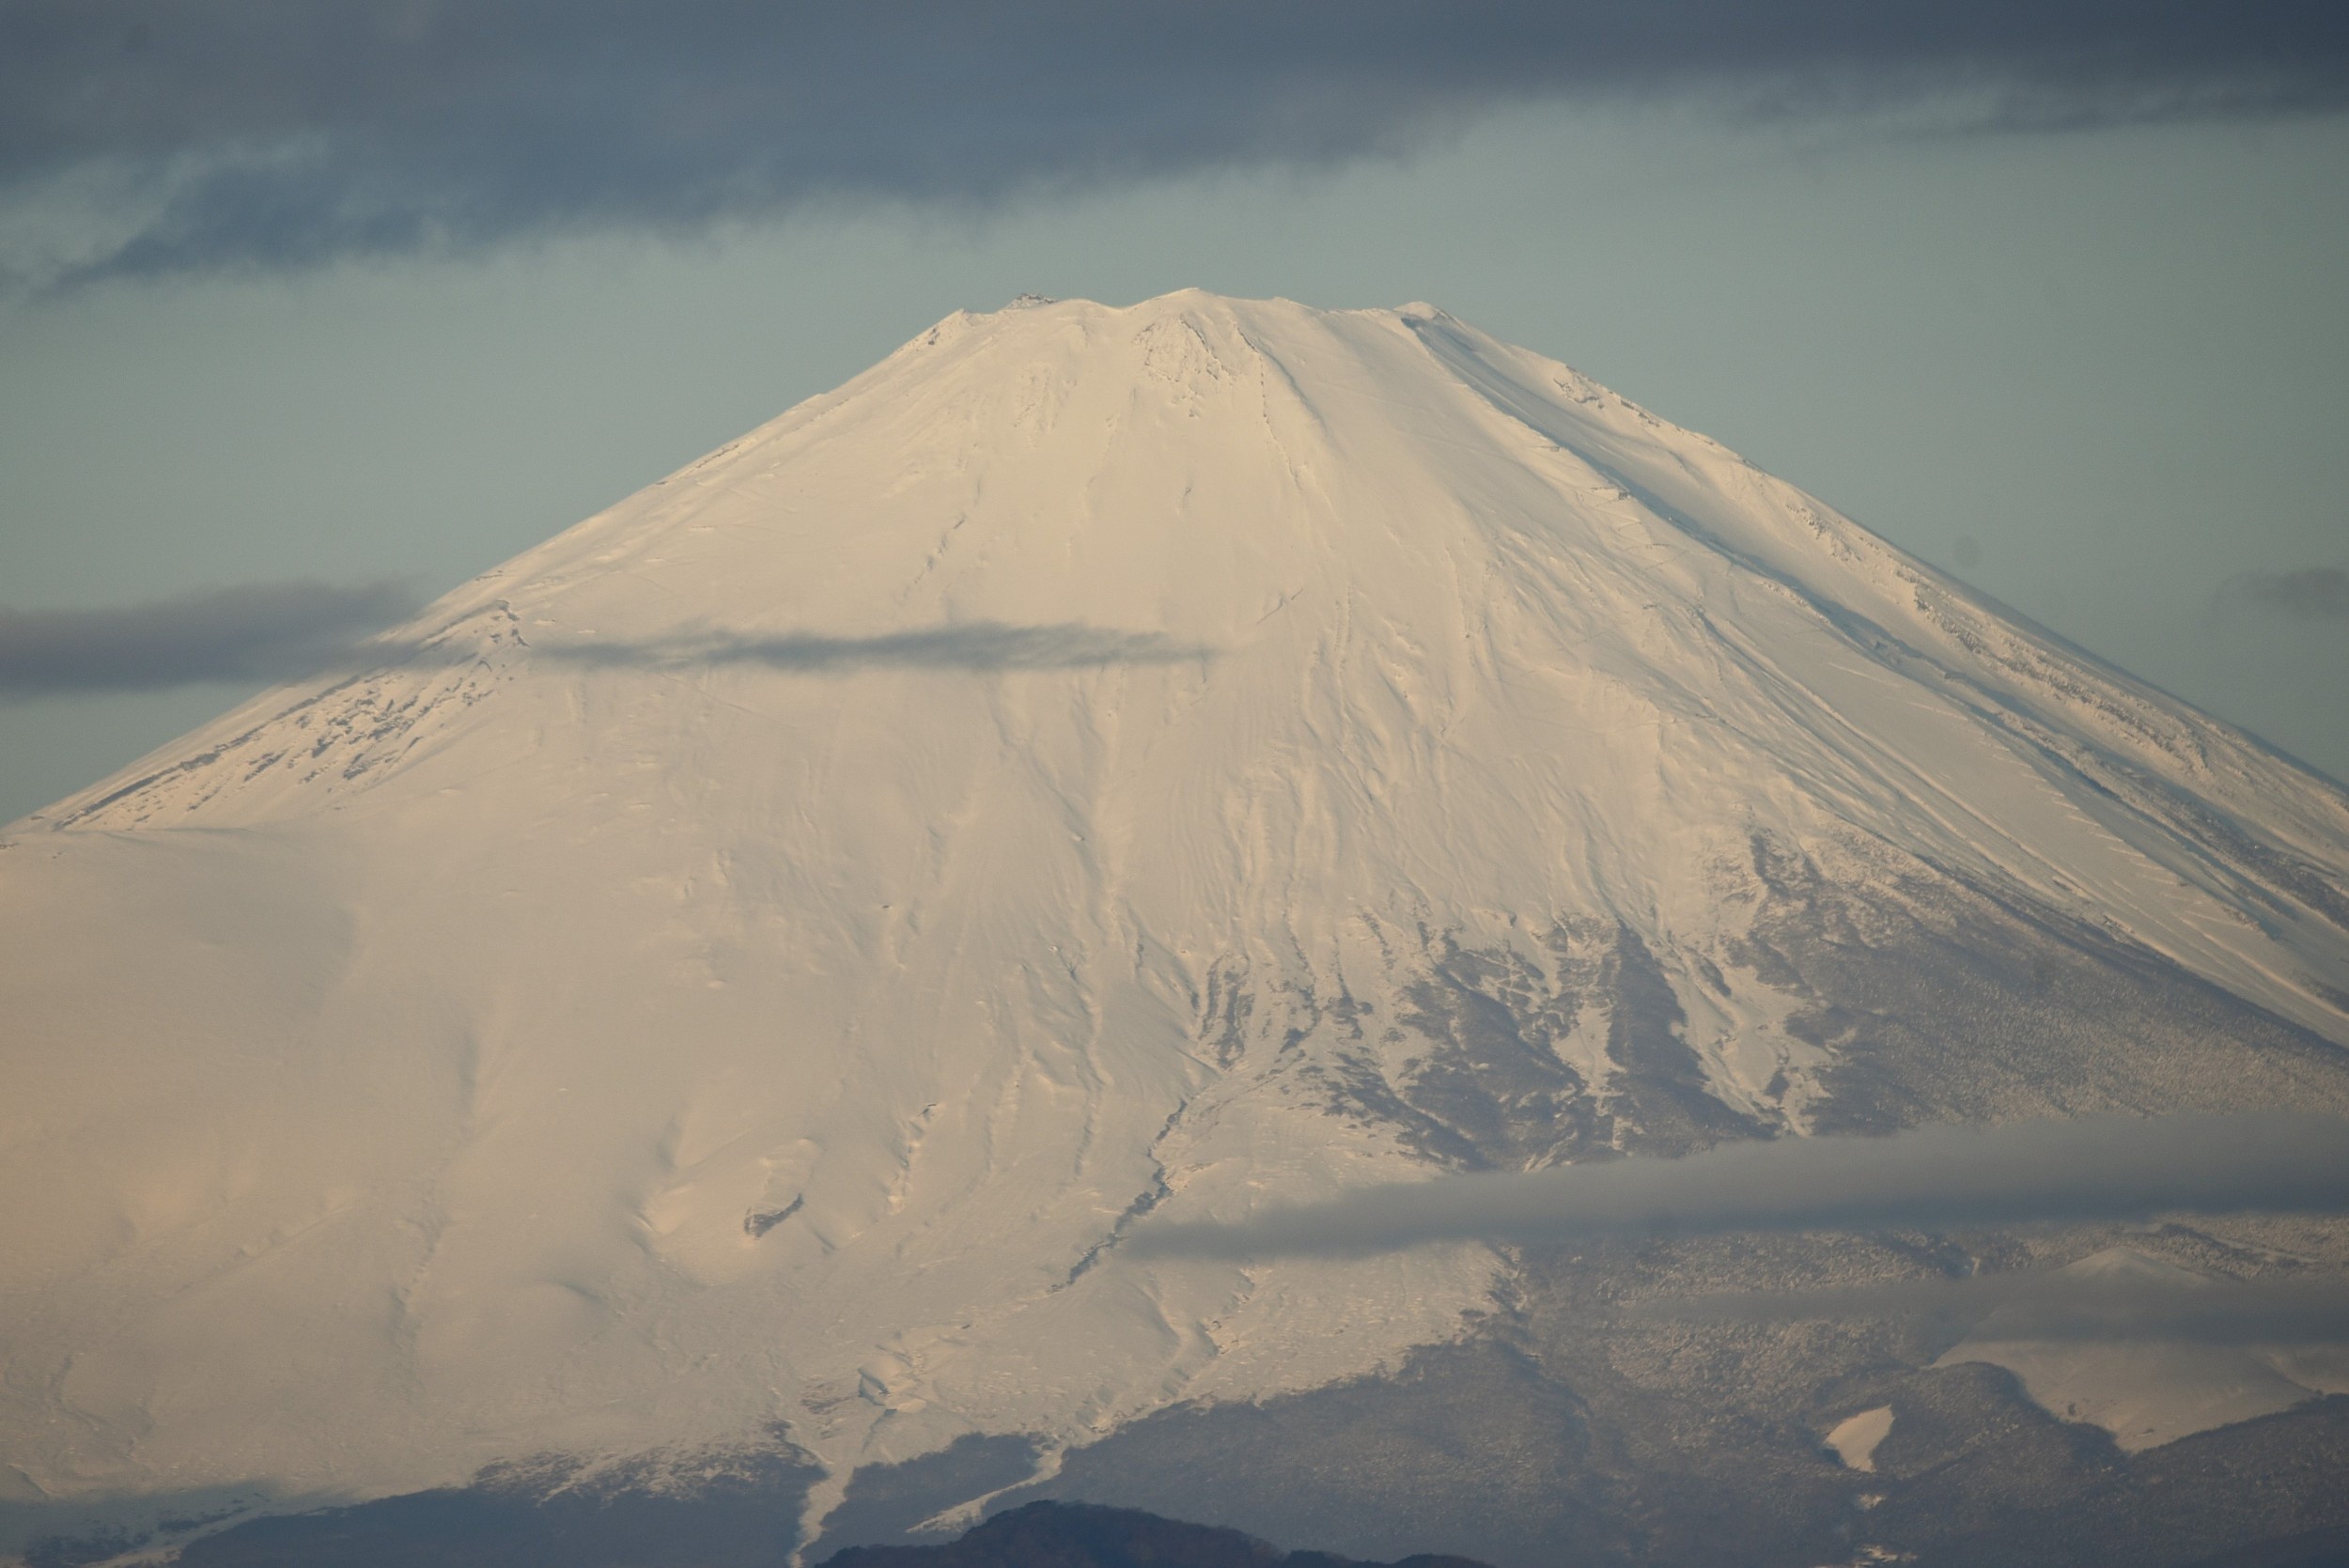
737	969
2150	1394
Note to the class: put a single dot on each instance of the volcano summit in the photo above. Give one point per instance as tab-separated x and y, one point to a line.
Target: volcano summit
716	992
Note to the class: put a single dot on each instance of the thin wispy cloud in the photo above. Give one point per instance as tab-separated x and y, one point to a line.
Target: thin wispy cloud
979	645
254	632
1929	1178
2304	594
285	133
296	631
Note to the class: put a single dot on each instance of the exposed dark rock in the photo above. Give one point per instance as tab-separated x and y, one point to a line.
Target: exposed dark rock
1467	1449
1943	1001
1079	1536
885	1502
735	1511
1659	1087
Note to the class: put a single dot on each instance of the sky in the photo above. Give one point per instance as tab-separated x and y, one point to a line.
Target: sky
309	312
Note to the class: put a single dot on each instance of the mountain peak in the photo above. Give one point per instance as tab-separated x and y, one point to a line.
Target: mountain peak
742	965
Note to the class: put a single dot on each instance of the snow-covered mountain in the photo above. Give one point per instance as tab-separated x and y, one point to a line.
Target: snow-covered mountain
732	975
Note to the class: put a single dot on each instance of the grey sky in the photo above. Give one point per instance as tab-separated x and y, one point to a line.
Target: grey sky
1926	1179
2097	372
2305	592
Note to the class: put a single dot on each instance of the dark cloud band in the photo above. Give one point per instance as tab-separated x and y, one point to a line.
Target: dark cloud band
254	632
288	133
1931	1178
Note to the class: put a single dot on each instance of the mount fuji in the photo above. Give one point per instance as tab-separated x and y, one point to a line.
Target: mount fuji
696	1014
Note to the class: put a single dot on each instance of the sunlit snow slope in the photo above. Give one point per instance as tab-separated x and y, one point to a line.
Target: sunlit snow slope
740	966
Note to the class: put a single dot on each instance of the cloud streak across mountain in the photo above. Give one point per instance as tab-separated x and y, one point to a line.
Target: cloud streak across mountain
296	631
979	645
260	631
1927	1178
287	134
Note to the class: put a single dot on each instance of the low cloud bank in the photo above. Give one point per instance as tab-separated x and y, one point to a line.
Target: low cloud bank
265	631
1931	1178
